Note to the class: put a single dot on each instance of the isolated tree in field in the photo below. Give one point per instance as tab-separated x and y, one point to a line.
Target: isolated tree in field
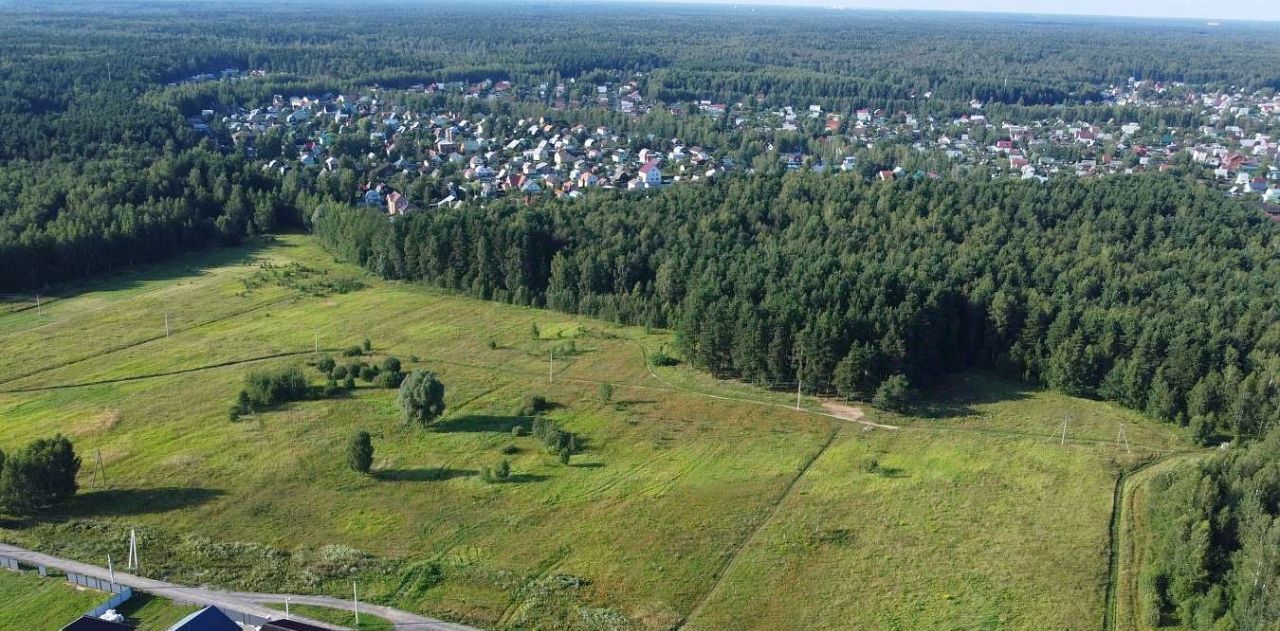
892	393
391	364
606	392
360	452
421	397
40	475
326	365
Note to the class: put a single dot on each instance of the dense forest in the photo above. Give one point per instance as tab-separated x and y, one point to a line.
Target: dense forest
1216	543
1149	291
100	168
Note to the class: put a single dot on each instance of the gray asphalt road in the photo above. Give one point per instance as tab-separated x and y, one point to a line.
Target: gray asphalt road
250	603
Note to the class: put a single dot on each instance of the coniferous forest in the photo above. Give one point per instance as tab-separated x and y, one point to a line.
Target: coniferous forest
1151	290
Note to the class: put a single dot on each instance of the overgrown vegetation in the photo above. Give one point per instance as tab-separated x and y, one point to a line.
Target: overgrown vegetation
266	388
1215	548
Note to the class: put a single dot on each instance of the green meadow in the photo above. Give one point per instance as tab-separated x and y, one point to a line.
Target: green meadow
694	502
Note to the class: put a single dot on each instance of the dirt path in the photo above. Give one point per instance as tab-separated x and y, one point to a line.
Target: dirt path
1120	610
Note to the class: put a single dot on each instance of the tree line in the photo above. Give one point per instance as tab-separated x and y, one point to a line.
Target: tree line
1150	291
1215	546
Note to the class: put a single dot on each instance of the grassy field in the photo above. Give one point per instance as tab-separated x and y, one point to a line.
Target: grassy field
339	617
727	511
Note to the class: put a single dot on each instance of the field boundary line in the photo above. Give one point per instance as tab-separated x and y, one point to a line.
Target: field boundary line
731	561
137	343
168	373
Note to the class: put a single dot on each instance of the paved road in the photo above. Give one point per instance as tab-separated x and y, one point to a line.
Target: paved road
244	602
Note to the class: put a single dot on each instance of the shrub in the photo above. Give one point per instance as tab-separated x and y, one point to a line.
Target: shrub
510	449
606	392
533	405
352	351
369	373
554	438
661	358
349	383
565	454
368	345
892	393
391	364
265	388
339	373
518	431
869	465
500	473
390	379
421	397
360	452
326	365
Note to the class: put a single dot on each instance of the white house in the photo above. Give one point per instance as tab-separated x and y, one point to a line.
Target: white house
651	174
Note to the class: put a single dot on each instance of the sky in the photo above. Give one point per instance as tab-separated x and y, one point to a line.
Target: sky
1198	9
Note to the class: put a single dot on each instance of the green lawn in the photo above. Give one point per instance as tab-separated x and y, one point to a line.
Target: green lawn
680	504
32	603
150	613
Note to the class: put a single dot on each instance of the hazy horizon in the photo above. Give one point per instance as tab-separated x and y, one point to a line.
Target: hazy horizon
1243	10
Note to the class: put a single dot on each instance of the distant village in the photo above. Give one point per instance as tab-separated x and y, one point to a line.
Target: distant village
1236	148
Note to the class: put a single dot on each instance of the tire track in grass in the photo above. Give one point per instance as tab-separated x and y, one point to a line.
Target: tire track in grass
746	541
1124	488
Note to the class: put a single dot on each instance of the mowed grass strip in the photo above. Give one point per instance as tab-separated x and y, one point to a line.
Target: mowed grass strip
29	602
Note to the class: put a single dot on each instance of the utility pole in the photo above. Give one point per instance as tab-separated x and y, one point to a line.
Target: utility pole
797	393
355	602
166	324
1064	429
133	563
317	342
286	608
551	367
39	308
111	570
1124	438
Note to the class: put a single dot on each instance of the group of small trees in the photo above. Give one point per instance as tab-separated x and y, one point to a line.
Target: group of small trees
388	374
38	476
265	388
557	441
